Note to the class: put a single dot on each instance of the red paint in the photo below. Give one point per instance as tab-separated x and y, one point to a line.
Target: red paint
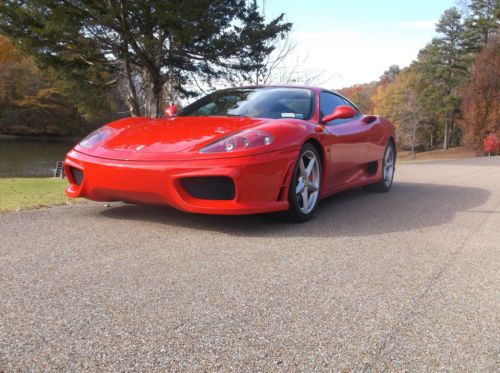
171	111
341	112
143	159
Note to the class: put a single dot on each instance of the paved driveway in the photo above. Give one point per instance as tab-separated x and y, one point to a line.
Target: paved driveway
407	280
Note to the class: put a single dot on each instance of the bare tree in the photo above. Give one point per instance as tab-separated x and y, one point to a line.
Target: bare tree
411	121
283	66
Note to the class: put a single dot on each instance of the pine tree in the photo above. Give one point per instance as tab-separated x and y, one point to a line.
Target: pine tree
451	67
482	23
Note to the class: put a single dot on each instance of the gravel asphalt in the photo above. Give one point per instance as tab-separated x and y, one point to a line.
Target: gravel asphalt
403	281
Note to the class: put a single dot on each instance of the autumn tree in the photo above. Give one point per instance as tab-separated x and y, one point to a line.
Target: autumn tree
389	75
441	78
481	98
400	103
35	101
18	75
361	95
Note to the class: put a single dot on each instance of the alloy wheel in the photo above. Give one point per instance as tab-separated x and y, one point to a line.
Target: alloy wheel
307	184
388	166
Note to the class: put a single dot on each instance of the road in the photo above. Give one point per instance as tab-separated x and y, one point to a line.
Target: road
403	281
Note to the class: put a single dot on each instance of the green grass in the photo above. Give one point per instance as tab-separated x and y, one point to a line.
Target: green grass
25	193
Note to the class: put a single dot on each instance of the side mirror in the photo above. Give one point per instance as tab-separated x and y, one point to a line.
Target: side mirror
171	111
341	112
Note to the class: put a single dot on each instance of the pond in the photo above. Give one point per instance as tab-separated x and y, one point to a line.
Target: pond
31	157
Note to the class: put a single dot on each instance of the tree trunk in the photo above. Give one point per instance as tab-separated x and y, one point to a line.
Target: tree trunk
153	96
132	101
413	141
445	142
452	127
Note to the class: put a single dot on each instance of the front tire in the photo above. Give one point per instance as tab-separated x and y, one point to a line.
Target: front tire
388	168
303	193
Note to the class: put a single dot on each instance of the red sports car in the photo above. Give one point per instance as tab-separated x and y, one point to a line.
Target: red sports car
238	151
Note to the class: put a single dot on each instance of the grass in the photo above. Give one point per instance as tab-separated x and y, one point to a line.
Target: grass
452	153
24	193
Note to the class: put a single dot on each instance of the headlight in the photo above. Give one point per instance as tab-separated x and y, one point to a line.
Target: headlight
240	141
96	137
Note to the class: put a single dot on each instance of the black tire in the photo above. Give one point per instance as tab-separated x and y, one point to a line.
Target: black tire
385	183
295	212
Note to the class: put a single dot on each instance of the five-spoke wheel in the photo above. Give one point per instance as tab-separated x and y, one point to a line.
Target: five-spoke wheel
305	184
388	172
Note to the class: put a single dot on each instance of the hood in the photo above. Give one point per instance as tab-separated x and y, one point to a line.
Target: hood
160	139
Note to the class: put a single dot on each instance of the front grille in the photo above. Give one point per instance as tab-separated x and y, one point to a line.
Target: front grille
212	188
76	175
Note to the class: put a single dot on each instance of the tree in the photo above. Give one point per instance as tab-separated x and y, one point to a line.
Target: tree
33	101
491	143
411	119
47	112
448	67
282	66
361	95
481	98
482	23
400	103
18	74
433	91
390	75
151	41
255	62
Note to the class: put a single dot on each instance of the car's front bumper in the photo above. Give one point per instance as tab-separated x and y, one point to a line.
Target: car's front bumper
261	181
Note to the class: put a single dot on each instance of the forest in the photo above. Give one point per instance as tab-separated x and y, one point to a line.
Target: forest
450	95
65	70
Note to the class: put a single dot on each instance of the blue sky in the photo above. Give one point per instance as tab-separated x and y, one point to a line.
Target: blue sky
355	41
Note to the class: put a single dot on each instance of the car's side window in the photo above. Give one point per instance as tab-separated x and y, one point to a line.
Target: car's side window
328	102
347	103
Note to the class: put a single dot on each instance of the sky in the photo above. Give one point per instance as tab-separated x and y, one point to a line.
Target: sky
355	41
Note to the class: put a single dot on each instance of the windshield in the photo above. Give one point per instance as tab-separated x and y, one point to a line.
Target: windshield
256	102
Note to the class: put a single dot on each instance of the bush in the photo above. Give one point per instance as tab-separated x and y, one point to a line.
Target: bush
491	144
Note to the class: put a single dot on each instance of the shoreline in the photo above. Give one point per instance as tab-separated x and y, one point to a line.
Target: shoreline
74	139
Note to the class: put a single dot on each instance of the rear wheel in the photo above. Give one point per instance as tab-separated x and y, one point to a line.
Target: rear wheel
303	193
388	168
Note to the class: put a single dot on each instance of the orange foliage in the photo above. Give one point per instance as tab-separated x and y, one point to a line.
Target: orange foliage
361	95
19	76
481	99
491	143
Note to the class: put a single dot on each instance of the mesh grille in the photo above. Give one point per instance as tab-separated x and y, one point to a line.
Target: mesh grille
212	188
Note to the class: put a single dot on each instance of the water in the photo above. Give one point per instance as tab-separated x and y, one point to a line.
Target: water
30	157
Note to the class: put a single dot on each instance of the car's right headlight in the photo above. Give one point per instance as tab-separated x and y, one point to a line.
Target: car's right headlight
96	137
239	141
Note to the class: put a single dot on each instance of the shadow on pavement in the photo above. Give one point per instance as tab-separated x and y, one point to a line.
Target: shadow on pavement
354	213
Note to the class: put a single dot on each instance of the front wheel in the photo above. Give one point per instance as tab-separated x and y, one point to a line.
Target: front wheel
388	168
303	193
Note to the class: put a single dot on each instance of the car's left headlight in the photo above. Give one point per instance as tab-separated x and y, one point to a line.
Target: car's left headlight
239	141
96	137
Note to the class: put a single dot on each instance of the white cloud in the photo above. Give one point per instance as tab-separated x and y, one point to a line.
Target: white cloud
349	57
